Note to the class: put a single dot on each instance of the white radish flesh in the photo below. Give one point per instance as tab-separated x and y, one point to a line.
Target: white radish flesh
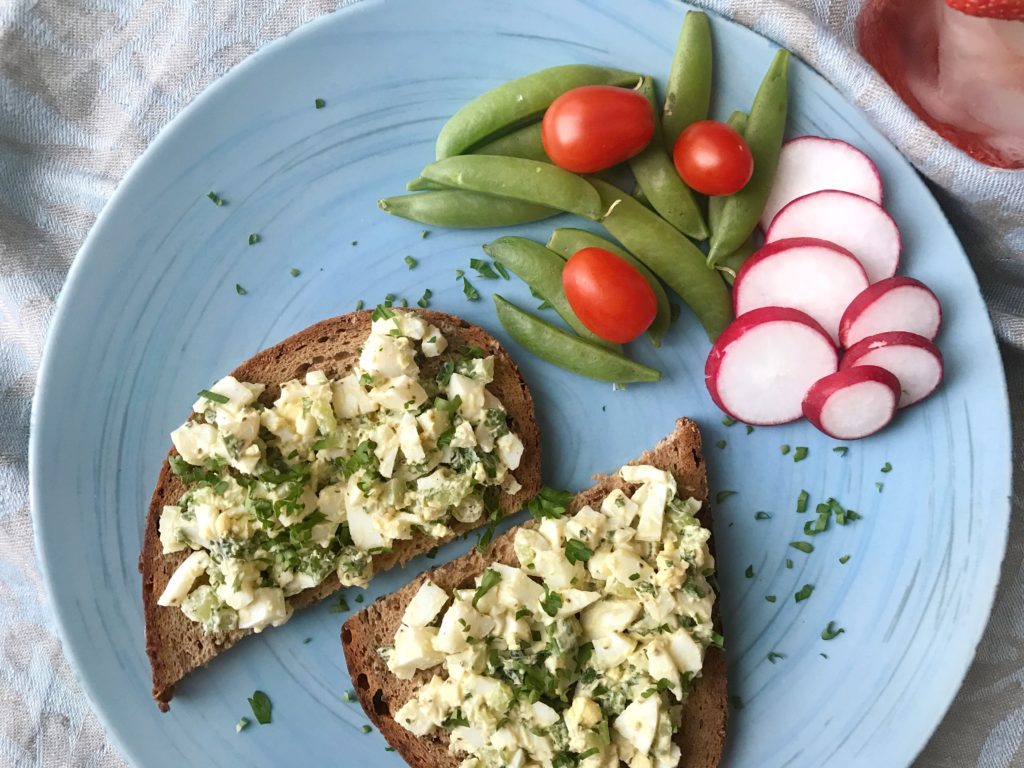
762	365
912	359
810	164
855	223
814	276
853	403
896	304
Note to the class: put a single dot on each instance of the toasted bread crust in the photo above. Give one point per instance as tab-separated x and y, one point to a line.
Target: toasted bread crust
702	735
175	645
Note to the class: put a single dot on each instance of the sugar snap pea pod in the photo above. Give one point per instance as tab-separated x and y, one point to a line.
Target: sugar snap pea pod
658	178
419	184
565	241
518	102
688	95
731	264
541	269
519	179
669	254
765	126
567	351
525	143
738	121
460	209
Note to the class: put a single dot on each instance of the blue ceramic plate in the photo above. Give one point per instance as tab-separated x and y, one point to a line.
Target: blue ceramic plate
150	314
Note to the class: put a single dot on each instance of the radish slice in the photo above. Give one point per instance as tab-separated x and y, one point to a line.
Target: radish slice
896	304
855	223
912	359
814	276
853	403
811	163
763	364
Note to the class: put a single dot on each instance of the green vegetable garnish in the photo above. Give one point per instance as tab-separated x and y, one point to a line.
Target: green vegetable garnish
488	581
577	551
242	724
728	421
887	467
803	546
784	448
483	269
359	598
832	631
425	234
551	603
425	298
801	501
294	272
467	288
360	305
217	199
720	444
501	270
842	450
749	573
240	290
749	429
410	262
723	495
804	593
773	656
717	640
348	696
770	598
789	563
799	453
261	707
762	516
549	502
340	606
213	396
844	559
320	103
366	729
254	238
879	486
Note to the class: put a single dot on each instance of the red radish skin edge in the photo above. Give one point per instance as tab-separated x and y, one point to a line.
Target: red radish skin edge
771	250
756	319
787	224
916	383
855	391
910	322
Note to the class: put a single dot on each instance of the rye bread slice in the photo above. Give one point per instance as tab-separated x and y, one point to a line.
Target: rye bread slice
175	645
380	693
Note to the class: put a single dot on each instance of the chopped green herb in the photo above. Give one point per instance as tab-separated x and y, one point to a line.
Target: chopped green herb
823	655
217	199
762	516
389	749
522	613
799	453
749	429
213	396
721	444
844	559
410	262
483	269
425	298
804	593
261	707
728	421
723	495
355	243
381	312
736	702
832	631
784	448
389	300
887	467
366	729
425	234
359	305
577	551
551	603
467	288
842	450
340	606
803	546
240	290
789	563
294	272
501	270
307	641
549	502
770	598
801	501
359	598
717	640
254	238
242	724
431	554
879	486
348	696
488	580
320	103
459	274
749	573
773	656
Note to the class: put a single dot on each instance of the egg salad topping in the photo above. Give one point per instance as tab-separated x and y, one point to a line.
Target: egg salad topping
335	471
582	655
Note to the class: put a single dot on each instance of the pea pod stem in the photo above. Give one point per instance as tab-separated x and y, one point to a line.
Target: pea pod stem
513	104
669	254
518	179
541	269
662	187
459	209
524	142
738	121
688	94
766	125
565	241
567	351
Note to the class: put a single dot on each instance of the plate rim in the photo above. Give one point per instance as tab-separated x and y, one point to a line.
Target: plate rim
48	363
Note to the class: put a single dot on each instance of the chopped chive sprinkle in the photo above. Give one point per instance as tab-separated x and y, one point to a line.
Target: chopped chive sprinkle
804	546
294	272
389	300
359	305
762	516
355	243
403	302
770	598
721	444
348	696
320	103
254	238
366	729
240	290
842	450
213	396
728	421
425	234
483	269
832	631
459	273
467	288
879	486
717	640
887	467
823	655
844	559
723	495
501	269
749	429
217	199
804	593
410	262
799	453
784	449
340	606
242	724
359	598
801	501
389	749
425	298
307	641
773	656
789	563
749	573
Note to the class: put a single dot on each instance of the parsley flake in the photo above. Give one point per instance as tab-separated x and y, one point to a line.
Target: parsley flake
842	450
501	270
723	495
749	573
804	593
217	199
770	598
254	238
728	421
773	656
240	290
577	551
261	707
319	103
483	269
844	559
800	453
551	603
410	262
489	579
470	292
762	516
804	546
784	448
831	631
425	298
721	444
887	468
294	272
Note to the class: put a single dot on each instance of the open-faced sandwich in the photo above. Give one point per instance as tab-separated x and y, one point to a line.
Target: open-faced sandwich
345	450
586	638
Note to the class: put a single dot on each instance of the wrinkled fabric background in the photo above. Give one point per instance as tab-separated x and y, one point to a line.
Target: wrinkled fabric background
86	84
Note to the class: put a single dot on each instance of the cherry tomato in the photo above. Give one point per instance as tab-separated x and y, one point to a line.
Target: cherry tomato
594	127
713	158
608	294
